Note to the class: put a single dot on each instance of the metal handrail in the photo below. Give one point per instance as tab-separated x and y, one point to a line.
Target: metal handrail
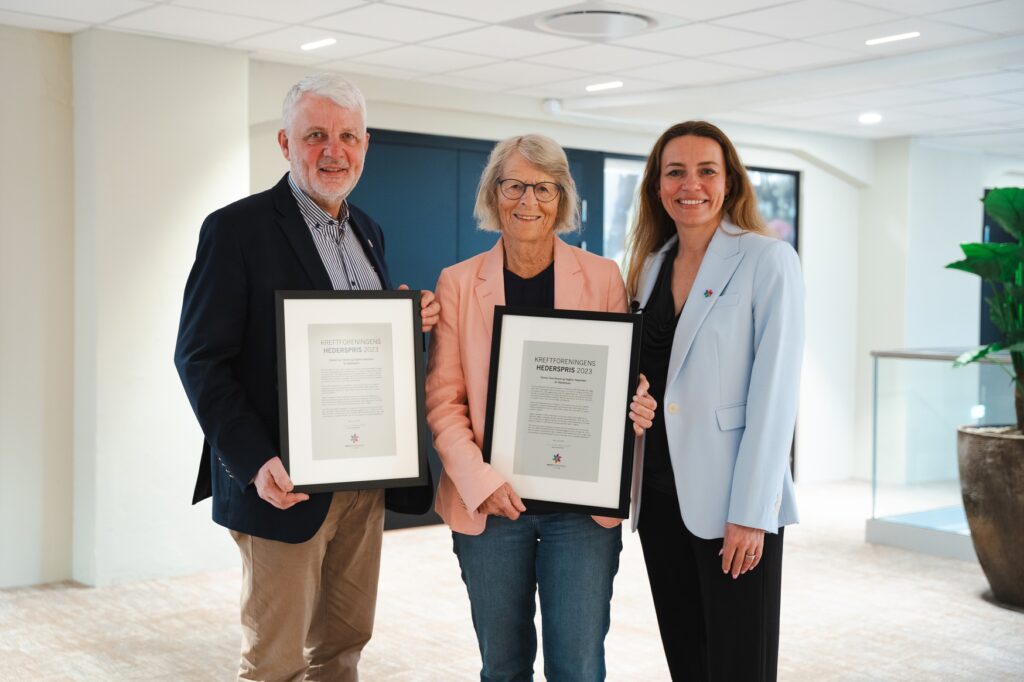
950	354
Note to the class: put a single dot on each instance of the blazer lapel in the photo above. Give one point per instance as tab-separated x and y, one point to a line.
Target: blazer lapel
720	262
568	278
290	220
490	286
652	268
371	249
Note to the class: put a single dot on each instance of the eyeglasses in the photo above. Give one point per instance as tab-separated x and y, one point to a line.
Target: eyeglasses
542	191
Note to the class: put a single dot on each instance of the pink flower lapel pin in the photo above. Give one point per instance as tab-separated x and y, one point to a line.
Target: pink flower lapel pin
708	293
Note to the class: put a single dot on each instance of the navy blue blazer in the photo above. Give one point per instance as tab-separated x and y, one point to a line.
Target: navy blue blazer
226	355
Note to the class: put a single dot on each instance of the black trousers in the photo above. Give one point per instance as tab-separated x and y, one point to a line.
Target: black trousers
712	627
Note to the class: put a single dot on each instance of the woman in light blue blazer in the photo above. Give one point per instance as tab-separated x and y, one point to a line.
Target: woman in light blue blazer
722	347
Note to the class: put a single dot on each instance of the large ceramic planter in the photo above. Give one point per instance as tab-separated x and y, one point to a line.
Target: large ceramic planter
992	482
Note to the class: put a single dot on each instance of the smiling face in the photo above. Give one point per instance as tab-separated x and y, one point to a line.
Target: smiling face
692	184
325	144
525	219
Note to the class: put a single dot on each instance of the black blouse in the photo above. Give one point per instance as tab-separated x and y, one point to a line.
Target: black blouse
535	292
660	320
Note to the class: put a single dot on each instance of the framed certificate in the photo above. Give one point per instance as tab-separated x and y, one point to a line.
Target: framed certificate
350	385
558	399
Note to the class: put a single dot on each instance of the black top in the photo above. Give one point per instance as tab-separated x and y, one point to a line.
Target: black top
659	330
536	292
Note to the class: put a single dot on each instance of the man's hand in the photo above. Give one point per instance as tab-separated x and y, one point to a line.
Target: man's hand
275	486
430	309
503	502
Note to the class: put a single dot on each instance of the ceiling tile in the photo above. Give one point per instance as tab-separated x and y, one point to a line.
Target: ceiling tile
41	23
933	35
957	106
1002	81
504	42
697	40
807	18
297	58
1002	142
918	7
1013	116
1005	16
351	67
395	23
888	97
804	109
517	74
785	56
93	12
749	117
599	57
577	87
490	12
425	59
1012	97
291	12
693	72
193	24
893	123
464	83
700	11
289	39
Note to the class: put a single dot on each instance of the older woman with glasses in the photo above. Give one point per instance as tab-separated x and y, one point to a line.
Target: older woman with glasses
506	556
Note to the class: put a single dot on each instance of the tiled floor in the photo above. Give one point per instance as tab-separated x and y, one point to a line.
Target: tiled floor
851	611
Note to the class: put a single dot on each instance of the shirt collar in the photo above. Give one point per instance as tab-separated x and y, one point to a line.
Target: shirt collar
315	216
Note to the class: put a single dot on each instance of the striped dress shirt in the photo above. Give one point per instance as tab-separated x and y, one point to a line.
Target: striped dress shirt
339	248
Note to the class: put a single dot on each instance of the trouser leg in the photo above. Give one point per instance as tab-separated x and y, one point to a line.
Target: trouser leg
342	621
498	567
577	560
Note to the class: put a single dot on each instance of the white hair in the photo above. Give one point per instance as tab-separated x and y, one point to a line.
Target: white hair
329	85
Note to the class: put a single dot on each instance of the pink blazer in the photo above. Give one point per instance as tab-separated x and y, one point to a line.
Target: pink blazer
460	351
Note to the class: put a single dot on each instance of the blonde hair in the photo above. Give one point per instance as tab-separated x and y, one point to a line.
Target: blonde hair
549	158
653	226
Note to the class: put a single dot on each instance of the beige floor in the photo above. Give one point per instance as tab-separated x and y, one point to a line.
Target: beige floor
851	611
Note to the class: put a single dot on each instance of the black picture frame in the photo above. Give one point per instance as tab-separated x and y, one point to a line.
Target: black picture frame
778	201
514	327
351	312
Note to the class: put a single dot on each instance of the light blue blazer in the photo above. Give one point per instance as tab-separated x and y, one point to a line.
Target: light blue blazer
733	381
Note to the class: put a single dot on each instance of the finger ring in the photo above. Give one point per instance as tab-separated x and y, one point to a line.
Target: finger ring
750	556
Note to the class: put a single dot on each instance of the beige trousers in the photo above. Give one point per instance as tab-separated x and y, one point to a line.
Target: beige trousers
307	609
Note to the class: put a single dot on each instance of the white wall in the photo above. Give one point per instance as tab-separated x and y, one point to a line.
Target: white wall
36	345
160	141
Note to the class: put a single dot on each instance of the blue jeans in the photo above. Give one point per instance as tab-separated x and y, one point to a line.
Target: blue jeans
573	561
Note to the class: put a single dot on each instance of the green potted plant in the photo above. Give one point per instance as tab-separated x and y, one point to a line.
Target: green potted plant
991	458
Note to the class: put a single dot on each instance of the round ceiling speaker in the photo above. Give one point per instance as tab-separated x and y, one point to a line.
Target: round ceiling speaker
596	23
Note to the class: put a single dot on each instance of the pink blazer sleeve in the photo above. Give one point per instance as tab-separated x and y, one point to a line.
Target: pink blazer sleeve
447	397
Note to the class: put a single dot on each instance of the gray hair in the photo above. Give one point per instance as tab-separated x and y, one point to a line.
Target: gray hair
329	85
548	157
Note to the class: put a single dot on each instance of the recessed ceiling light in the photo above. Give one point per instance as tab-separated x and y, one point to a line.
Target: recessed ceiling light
595	23
610	85
869	118
317	44
893	39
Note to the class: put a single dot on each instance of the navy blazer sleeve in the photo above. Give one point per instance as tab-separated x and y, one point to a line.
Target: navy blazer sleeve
210	335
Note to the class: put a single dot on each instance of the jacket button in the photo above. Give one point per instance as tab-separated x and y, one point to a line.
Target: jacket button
673	408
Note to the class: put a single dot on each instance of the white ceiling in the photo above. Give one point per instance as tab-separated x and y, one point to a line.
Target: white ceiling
799	64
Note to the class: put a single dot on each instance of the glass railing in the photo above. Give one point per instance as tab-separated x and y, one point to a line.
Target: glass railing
919	401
